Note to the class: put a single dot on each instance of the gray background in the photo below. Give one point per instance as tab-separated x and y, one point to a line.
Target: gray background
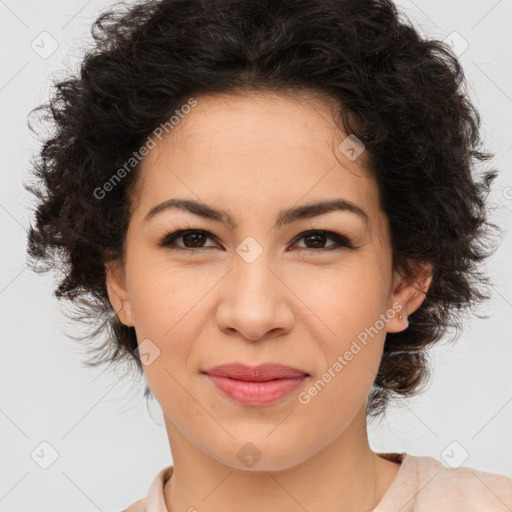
109	445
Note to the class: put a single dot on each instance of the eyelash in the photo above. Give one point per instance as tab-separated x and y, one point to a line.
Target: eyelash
341	241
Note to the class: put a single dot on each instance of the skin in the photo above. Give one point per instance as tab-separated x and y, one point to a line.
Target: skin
253	155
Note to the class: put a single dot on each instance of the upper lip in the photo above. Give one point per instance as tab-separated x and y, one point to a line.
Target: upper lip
260	373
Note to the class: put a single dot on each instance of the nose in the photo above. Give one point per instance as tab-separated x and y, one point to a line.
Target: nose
255	301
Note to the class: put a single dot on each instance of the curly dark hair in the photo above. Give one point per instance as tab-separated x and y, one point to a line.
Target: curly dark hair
401	94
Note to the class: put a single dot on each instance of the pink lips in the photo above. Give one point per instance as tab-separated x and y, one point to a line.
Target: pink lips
258	385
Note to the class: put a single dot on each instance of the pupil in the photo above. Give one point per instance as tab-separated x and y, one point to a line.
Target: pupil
194	240
318	236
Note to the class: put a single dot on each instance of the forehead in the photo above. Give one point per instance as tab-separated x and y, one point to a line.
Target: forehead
262	149
270	123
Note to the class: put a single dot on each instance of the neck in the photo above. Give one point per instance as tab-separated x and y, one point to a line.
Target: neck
345	476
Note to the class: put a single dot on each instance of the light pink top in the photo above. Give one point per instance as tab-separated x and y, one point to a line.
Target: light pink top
422	484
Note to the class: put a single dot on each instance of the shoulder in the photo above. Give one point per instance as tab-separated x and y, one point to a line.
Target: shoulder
138	506
154	499
475	489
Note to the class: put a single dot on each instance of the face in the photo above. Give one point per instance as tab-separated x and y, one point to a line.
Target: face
314	291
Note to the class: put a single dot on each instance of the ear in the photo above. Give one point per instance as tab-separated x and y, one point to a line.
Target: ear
408	295
117	293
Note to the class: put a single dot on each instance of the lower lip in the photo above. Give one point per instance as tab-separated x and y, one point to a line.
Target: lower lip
256	393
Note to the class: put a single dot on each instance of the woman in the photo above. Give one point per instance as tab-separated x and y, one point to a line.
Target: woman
271	206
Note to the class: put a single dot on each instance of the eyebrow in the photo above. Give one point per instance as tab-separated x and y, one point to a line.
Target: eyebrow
286	216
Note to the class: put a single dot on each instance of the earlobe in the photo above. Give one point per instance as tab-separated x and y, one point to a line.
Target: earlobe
117	293
409	295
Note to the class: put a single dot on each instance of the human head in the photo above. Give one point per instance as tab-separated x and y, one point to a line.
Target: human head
398	93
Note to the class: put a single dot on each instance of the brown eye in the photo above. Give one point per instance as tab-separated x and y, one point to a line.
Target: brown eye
192	239
315	240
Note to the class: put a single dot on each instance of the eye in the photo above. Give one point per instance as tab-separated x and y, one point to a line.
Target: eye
196	238
318	238
193	239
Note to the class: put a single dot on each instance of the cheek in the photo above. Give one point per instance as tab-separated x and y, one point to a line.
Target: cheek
353	312
162	294
163	304
352	359
346	298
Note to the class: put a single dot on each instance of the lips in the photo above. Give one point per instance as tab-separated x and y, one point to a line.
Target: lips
255	386
261	373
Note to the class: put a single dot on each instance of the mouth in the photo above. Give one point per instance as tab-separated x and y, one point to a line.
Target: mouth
256	385
261	373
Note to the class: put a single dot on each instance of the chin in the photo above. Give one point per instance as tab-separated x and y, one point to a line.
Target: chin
262	453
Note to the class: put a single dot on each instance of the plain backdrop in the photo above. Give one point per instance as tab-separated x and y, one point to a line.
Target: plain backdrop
106	444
